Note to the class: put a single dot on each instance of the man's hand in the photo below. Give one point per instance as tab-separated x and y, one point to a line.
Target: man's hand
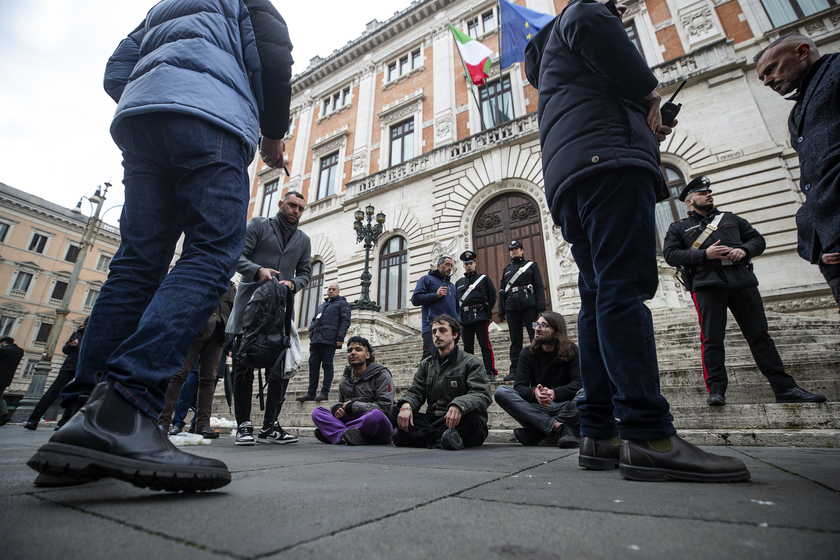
544	395
736	255
717	251
441	291
288	284
654	117
453	416
665	130
271	152
341	412
339	343
831	258
405	418
74	342
265	274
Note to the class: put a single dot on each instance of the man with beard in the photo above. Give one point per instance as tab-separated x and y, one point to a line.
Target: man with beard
275	250
436	294
715	248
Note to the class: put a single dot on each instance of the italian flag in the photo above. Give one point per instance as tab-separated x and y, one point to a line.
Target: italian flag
476	57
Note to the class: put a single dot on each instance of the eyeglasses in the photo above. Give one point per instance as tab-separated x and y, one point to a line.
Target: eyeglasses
540	326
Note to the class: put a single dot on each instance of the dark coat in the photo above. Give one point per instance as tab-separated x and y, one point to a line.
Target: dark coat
478	306
814	126
590	79
425	294
530	298
10	357
541	369
373	390
331	321
220	316
733	231
72	352
263	249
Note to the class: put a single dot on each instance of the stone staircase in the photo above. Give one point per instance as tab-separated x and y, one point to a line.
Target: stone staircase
810	349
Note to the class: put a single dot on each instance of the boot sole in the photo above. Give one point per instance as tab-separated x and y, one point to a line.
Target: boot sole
244	442
85	465
597	463
277	441
651	474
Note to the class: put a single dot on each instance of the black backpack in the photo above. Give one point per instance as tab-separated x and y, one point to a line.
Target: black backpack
267	327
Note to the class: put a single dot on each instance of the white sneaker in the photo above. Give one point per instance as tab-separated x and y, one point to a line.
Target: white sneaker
275	434
245	434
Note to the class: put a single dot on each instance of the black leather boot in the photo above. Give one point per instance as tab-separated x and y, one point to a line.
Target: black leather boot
676	459
109	437
598	454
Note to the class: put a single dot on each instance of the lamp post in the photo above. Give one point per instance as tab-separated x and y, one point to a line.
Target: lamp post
42	369
369	233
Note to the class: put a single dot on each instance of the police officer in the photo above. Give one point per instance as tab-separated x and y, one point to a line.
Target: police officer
476	298
521	298
714	249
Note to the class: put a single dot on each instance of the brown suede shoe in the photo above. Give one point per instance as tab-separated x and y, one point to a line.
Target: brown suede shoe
676	459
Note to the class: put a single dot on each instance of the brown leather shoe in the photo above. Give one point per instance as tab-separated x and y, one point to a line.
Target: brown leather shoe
306	397
321	397
598	454
680	461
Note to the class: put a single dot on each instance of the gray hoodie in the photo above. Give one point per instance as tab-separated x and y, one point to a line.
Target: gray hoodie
374	389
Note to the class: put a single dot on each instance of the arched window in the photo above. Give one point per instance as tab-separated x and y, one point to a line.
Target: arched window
393	274
672	209
312	295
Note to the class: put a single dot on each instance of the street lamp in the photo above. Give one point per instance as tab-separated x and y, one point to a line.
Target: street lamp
42	369
369	233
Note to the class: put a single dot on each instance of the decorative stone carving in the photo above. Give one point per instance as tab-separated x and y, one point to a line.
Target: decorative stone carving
663	24
815	27
443	126
330	142
359	161
698	24
835	20
403	108
269	174
720	2
449	249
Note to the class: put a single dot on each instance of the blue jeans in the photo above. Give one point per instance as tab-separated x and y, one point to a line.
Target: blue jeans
187	398
182	174
608	218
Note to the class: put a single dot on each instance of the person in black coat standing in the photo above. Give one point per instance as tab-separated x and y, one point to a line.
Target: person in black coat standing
10	356
793	63
600	121
326	335
476	298
716	249
521	298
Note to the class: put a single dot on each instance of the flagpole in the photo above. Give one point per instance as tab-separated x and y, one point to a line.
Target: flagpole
467	72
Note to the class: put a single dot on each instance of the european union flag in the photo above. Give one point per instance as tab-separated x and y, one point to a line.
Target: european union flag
518	26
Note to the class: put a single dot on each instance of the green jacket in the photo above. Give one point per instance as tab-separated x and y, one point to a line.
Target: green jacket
462	382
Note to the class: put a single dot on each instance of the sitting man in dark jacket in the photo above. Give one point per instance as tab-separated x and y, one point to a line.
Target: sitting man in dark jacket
326	335
457	390
547	387
437	296
365	398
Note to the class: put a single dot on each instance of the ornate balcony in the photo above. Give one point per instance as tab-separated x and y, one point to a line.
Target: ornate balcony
714	56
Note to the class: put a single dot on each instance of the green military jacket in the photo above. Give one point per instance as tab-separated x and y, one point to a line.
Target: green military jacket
462	382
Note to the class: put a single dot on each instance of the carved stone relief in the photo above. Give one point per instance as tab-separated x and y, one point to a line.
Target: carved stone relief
443	126
815	27
698	24
359	161
449	249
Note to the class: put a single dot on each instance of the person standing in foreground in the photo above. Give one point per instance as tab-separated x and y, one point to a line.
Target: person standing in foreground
599	119
195	84
476	298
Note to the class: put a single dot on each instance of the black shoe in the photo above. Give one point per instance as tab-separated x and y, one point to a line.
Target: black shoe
399	438
680	461
509	377
5	419
321	397
716	399
306	397
566	437
245	434
207	432
798	394
528	436
275	434
320	437
451	440
176	429
31	425
192	429
491	377
109	437
598	454
352	436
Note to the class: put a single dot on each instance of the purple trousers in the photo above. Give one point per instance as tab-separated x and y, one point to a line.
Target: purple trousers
374	424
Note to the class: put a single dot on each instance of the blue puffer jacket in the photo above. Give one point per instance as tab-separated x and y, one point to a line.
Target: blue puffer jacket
224	61
425	294
331	321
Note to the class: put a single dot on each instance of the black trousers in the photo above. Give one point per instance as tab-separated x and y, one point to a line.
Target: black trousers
65	376
243	391
516	320
428	428
321	355
748	310
479	330
428	345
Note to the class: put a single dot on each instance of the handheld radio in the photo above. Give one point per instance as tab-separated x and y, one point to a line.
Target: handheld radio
670	110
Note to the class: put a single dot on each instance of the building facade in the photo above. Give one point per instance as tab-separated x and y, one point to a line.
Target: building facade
39	246
391	121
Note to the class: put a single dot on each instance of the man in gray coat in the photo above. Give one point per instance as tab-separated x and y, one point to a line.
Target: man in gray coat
275	250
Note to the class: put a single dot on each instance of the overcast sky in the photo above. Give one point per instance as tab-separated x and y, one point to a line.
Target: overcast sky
54	113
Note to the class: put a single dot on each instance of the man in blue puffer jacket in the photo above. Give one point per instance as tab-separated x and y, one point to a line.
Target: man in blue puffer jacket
195	85
437	296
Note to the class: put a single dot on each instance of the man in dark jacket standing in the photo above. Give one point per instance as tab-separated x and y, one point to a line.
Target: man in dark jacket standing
10	356
792	64
521	298
476	298
437	296
716	248
326	335
195	84
598	115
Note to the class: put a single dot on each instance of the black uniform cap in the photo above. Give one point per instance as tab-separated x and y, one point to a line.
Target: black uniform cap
467	257
515	244
701	183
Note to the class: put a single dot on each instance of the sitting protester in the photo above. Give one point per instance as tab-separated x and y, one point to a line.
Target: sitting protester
365	395
547	387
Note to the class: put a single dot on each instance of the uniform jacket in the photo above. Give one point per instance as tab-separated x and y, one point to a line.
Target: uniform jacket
483	296
814	126
10	357
374	390
225	61
425	294
331	321
263	249
541	369
590	78
733	231
461	381
521	299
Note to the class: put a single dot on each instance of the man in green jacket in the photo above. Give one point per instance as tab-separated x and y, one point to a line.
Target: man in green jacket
457	391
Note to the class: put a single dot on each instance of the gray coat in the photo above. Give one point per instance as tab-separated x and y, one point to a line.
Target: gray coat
263	250
374	389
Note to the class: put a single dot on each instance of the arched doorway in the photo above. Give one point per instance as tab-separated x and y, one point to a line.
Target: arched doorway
509	216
